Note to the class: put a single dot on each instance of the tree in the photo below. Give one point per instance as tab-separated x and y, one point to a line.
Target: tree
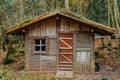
113	14
67	4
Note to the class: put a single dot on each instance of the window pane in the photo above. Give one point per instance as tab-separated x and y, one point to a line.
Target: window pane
43	41
37	42
43	48
37	48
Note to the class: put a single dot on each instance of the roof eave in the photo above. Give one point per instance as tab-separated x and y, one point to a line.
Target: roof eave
69	15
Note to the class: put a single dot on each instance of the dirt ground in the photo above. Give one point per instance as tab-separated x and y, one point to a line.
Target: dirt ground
109	64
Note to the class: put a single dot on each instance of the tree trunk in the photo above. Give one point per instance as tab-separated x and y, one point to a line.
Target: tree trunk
67	4
102	40
116	16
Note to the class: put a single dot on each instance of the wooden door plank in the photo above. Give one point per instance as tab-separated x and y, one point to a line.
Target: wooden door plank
66	38
65	43
65	51
66	58
65	48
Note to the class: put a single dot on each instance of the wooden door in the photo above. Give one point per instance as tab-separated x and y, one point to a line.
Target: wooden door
66	51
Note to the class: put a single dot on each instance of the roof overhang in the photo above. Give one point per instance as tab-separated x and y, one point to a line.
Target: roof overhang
98	28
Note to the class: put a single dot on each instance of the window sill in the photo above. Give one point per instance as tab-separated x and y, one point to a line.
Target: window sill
40	53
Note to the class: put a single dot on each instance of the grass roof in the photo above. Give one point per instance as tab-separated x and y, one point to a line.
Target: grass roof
68	14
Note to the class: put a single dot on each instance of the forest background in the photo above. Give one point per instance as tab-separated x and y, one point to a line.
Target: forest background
14	12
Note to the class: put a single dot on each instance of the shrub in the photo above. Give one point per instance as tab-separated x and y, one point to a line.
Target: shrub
3	47
12	50
116	55
102	56
101	47
104	78
109	44
109	48
97	53
3	75
43	77
9	60
53	78
21	51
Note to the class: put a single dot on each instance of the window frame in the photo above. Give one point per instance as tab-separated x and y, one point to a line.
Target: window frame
46	48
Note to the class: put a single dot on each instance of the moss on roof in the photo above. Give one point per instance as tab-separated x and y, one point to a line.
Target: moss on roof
68	14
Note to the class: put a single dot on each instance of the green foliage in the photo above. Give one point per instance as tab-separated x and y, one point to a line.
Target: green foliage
12	51
3	75
3	47
98	54
101	47
3	38
95	9
9	60
21	51
116	55
102	56
109	48
104	78
53	78
13	11
119	43
44	77
34	76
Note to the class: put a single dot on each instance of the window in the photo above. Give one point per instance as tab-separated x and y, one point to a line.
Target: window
41	45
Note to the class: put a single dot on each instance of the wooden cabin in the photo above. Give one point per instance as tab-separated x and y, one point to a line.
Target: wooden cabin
59	41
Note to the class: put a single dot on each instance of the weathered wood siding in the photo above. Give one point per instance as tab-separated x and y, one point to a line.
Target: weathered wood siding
45	27
68	25
38	62
48	63
84	52
83	59
83	44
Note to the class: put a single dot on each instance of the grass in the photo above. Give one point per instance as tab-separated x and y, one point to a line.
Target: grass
30	76
12	74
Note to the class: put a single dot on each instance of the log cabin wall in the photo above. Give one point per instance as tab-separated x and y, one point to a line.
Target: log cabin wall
38	62
84	53
83	45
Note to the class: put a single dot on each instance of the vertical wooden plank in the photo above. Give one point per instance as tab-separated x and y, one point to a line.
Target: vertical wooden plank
65	25
74	26
40	26
57	30
45	27
74	52
68	25
37	26
58	27
48	63
53	46
92	55
29	32
26	53
85	41
62	25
